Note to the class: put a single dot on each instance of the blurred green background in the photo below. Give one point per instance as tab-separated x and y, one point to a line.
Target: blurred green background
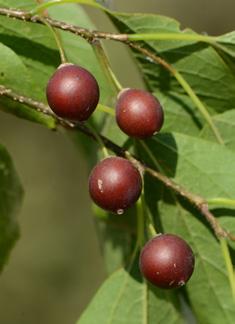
56	266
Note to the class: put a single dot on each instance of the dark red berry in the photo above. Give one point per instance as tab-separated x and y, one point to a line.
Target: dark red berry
138	113
72	92
167	261
115	184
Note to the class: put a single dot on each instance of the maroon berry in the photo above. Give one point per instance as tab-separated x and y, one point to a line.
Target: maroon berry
138	113
167	261
72	92
115	184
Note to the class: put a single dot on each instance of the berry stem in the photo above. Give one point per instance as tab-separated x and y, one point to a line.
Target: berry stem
139	231
140	220
149	220
99	140
152	231
106	109
57	38
104	61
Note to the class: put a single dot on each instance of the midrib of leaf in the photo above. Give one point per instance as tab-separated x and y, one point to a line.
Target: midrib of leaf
193	165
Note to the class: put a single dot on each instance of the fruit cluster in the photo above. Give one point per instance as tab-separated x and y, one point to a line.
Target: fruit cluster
115	184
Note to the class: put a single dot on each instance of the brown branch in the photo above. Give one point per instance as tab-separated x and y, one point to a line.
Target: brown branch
90	35
197	201
83	32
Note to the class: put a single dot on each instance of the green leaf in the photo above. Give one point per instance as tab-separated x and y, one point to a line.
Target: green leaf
126	299
118	236
199	63
227	44
117	243
206	169
11	195
208	289
202	167
225	123
179	114
13	73
38	54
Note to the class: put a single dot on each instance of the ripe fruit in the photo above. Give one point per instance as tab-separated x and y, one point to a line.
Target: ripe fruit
167	261
115	184
138	113
72	92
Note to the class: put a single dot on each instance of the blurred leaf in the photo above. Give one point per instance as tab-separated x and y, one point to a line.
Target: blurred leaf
11	195
125	298
225	123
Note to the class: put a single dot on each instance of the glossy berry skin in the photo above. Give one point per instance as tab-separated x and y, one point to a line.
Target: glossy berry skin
72	92
167	261
138	113
115	184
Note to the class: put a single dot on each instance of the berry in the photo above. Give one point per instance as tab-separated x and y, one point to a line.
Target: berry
138	113
72	92
167	261
115	184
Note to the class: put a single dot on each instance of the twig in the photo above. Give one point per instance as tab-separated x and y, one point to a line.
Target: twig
197	201
83	32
